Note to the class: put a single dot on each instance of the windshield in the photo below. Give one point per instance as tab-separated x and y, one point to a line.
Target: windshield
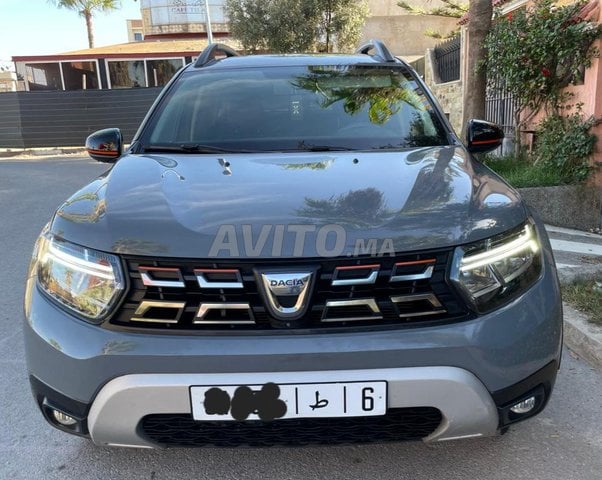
295	108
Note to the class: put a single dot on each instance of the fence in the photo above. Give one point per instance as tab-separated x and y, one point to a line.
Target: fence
447	60
66	118
499	108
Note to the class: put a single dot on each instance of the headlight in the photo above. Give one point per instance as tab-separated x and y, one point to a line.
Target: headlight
490	272
83	280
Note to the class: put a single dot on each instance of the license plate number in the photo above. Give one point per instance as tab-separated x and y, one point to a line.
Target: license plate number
273	402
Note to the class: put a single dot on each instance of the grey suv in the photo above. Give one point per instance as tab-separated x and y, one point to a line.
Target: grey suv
293	250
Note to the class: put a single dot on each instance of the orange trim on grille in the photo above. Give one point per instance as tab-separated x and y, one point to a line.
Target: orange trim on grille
416	262
358	267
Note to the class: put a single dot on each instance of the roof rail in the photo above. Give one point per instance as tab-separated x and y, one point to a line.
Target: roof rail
380	48
214	52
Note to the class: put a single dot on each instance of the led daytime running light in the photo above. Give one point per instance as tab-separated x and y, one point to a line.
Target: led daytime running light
525	241
79	264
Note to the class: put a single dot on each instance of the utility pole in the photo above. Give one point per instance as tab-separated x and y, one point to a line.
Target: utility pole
208	24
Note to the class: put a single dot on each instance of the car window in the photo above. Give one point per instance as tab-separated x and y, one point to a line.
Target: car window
293	108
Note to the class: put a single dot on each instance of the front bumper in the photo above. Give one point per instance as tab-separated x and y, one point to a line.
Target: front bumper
462	406
468	370
466	406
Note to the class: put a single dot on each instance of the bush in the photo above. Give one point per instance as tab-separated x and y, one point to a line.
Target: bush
565	143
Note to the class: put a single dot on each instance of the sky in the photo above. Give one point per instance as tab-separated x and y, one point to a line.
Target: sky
37	27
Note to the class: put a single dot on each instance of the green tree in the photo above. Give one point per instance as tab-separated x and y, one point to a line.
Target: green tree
249	22
87	8
275	25
538	52
291	26
296	25
447	9
341	22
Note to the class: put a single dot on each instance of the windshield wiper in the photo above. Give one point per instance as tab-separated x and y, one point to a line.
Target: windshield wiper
307	147
200	148
191	148
328	148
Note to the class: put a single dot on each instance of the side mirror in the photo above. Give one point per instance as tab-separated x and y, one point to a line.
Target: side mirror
105	145
482	137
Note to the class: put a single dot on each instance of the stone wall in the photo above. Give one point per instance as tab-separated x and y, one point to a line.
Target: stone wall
571	206
448	94
404	33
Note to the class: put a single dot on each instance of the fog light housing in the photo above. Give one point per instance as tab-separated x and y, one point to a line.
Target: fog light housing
63	418
524	406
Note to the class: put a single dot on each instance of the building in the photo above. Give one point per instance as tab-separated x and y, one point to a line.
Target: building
128	65
182	18
171	34
135	30
8	81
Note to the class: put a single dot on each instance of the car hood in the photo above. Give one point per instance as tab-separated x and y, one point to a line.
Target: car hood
289	205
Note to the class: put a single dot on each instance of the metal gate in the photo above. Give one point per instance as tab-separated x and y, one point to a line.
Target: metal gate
499	108
447	59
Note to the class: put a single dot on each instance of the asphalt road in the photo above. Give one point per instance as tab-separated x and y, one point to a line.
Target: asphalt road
564	442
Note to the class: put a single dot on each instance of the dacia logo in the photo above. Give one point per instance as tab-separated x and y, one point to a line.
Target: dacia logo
279	290
295	282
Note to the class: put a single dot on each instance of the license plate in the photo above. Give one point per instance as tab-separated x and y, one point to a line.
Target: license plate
273	402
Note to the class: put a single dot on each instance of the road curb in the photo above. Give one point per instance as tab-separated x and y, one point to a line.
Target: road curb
582	337
567	276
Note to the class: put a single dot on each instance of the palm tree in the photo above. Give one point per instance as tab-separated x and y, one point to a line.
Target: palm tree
86	9
475	85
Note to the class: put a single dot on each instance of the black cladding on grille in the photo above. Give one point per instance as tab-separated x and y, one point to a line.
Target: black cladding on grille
418	294
399	424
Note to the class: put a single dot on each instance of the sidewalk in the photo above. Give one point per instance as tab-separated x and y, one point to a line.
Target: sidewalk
24	153
578	255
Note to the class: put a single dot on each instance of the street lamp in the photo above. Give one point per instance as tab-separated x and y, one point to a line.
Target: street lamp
208	24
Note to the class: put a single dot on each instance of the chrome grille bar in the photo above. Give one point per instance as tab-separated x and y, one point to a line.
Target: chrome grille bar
425	274
429	297
201	278
146	305
367	280
205	308
149	281
360	302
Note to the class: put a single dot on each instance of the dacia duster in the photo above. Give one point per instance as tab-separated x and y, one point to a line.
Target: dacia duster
294	249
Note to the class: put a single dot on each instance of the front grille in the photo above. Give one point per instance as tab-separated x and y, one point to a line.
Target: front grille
397	425
171	295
